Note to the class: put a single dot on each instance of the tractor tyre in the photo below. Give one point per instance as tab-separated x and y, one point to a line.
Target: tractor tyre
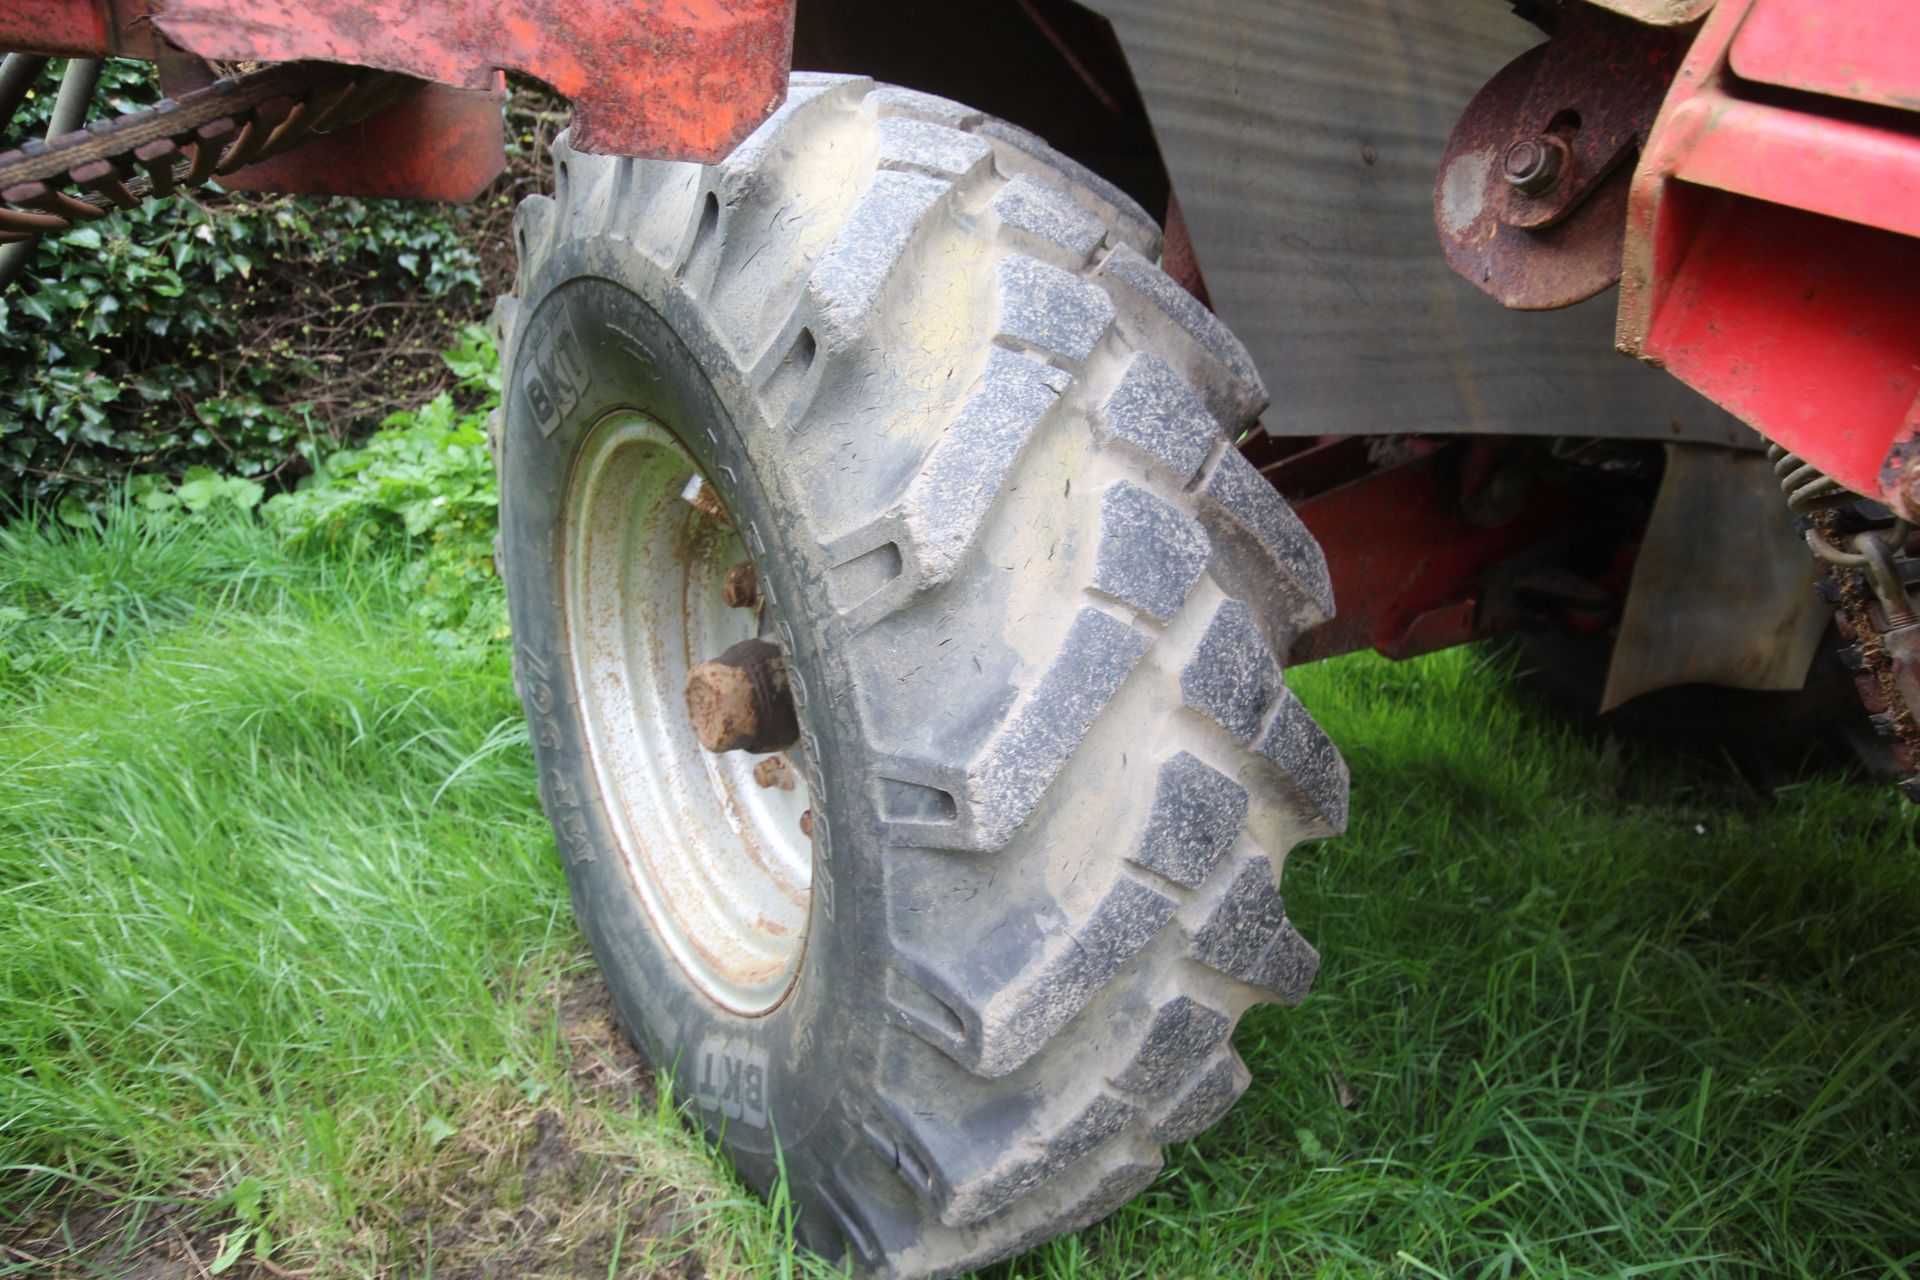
959	954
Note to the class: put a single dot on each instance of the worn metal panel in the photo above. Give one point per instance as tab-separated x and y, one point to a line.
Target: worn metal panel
1862	49
74	28
681	79
1722	587
434	144
1773	261
1303	139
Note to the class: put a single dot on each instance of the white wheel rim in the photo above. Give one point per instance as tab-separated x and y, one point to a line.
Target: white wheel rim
720	862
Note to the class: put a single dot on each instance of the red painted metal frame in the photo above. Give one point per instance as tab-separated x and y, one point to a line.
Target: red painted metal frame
63	28
1412	573
435	144
1866	50
1773	258
679	79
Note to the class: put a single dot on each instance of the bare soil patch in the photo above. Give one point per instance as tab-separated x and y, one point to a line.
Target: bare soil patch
526	1190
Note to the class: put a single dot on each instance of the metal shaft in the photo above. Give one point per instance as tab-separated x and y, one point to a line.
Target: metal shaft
77	84
17	75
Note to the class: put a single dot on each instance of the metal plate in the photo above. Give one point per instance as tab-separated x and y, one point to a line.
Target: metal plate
1864	50
436	144
1304	139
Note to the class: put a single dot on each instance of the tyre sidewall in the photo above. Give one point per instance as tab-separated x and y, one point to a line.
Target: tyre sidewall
772	1089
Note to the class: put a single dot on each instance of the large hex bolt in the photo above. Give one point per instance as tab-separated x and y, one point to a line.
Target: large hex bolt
1533	166
740	701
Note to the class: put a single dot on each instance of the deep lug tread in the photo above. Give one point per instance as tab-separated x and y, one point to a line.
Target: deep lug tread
1232	677
938	520
916	146
1237	395
1197	812
1045	309
1240	505
807	96
1151	553
1032	211
1206	1097
1184	1032
847	281
1246	935
1079	1024
1012	1009
1294	743
892	100
1153	411
1004	783
1130	224
964	1182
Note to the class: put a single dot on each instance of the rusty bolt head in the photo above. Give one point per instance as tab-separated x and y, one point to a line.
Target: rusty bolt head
741	586
774	771
741	701
720	701
1533	166
806	824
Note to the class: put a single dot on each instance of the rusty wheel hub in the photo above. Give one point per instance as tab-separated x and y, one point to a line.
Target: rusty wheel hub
687	715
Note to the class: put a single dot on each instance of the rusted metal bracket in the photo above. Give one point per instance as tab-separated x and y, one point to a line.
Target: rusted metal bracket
680	79
677	79
1532	192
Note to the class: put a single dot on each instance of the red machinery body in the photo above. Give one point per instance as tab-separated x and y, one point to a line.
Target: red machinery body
675	79
1773	245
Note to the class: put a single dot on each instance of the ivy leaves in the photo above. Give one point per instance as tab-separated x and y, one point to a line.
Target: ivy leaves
198	331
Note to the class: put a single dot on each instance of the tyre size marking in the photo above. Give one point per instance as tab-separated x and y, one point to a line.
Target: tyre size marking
637	351
570	827
531	678
569	823
731	1078
554	379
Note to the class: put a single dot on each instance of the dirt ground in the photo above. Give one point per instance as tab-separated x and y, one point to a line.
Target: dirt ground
542	1192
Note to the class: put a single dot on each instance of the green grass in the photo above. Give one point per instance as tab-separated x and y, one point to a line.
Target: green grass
287	969
1595	1014
280	916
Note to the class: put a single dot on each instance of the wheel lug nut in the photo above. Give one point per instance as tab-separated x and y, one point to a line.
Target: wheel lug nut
774	771
741	701
699	495
741	586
